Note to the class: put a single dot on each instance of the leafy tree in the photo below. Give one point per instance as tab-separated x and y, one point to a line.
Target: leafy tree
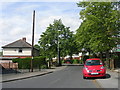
99	30
68	43
36	46
57	34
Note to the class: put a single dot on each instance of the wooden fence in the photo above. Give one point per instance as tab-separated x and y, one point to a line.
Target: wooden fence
9	65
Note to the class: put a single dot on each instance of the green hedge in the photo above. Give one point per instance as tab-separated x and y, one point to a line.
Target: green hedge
76	61
25	63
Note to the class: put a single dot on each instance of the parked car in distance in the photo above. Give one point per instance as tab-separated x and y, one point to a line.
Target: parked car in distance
93	68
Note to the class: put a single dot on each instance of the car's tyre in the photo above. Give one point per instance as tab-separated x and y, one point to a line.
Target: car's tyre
84	77
104	77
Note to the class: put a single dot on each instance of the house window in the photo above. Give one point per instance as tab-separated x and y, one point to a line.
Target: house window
20	50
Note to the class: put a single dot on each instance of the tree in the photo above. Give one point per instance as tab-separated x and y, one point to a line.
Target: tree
57	34
99	30
68	43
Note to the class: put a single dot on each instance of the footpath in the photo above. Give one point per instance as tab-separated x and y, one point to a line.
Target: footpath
19	76
112	80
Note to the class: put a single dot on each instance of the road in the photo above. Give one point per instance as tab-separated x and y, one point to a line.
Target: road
69	77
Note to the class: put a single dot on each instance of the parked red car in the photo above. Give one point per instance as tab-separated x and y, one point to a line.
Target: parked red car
94	68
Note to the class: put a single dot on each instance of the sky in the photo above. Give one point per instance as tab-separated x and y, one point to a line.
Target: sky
16	18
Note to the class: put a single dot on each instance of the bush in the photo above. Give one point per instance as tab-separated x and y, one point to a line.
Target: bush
25	63
43	66
76	61
62	61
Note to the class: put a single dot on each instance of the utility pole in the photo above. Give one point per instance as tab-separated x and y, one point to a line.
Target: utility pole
33	41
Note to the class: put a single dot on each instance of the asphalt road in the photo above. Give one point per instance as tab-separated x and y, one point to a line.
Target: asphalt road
70	77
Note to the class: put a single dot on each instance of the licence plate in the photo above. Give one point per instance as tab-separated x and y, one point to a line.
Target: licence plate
94	73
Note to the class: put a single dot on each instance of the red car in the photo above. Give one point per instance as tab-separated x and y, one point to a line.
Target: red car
94	68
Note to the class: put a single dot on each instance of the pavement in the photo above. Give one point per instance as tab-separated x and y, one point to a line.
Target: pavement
112	79
19	76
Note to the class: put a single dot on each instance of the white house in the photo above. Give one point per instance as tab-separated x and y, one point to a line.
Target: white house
19	48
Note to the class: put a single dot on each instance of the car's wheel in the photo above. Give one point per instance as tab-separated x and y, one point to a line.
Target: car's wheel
104	77
84	77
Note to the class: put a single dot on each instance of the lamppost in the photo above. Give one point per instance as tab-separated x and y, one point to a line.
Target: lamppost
58	46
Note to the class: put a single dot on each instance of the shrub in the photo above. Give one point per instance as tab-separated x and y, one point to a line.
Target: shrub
25	63
43	66
62	60
76	61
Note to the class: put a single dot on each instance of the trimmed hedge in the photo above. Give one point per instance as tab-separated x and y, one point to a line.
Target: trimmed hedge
25	63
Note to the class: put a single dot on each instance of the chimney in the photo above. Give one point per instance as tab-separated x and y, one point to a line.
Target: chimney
24	39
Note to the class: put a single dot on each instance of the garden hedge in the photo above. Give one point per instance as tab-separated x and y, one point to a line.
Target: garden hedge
25	63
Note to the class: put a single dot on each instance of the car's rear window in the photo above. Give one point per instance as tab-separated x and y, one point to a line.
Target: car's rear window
93	62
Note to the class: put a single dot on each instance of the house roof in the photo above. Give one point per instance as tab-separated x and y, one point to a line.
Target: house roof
18	44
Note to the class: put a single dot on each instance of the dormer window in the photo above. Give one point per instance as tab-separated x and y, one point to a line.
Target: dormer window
20	50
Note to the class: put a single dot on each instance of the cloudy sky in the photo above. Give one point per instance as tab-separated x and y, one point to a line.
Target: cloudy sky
16	18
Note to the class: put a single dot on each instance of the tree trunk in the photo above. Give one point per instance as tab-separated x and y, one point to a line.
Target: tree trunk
112	64
70	56
89	52
107	59
46	63
101	56
50	62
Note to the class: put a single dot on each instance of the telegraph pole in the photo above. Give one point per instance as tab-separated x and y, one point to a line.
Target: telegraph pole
33	41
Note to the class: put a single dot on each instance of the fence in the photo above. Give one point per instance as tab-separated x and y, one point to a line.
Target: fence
9	65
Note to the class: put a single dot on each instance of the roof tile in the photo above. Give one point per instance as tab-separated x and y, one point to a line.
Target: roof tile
18	44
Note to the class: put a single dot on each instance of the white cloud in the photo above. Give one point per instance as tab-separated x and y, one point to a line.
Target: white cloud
13	28
25	8
41	0
73	23
16	31
20	25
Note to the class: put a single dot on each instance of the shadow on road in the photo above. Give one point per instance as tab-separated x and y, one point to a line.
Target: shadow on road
106	77
8	71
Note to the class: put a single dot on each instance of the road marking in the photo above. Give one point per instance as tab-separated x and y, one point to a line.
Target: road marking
97	85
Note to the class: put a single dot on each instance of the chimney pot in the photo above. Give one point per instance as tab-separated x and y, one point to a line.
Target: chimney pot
24	39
